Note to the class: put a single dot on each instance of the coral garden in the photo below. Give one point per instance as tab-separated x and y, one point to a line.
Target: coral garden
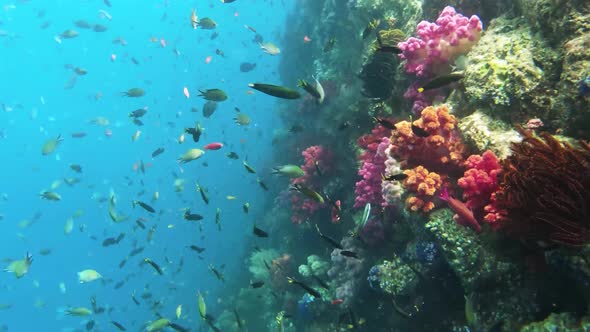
446	175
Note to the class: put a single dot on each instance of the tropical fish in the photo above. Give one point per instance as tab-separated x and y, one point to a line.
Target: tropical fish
246	207
371	26
118	326
233	155
213	95
203	192
157	325
213	146
348	253
69	226
209	108
138	113
385	123
321	282
192	216
179	311
190	155
316	90
133	92
310	193
259	232
465	214
275	90
419	131
440	81
247	66
20	267
261	184
308	289
88	275
194	19
68	34
207	23
242	119
249	168
76	168
394	177
292	171
328	239
154	265
145	206
195	132
78	311
157	152
238	320
257	284
217	273
218	218
202	306
51	144
197	248
50	196
269	48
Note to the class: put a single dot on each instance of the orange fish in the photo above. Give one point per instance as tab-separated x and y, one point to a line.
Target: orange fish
306	39
208	59
163	42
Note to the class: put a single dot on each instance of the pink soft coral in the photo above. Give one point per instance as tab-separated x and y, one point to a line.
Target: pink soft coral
438	44
479	182
303	208
368	189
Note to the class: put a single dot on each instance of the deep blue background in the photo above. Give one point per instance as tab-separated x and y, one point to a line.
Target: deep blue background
32	80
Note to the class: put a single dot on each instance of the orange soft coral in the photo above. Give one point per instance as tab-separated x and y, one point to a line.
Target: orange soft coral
424	184
442	151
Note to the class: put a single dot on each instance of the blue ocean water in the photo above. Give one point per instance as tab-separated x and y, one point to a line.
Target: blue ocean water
37	105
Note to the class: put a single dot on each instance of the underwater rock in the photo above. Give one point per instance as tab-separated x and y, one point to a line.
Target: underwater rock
257	263
394	277
485	133
509	71
493	283
557	19
347	272
559	322
573	88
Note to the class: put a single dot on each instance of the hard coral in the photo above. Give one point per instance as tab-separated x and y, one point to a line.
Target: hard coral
545	190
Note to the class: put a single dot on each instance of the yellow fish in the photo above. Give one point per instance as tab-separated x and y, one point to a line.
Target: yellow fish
20	267
50	145
88	276
230	197
178	311
69	226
